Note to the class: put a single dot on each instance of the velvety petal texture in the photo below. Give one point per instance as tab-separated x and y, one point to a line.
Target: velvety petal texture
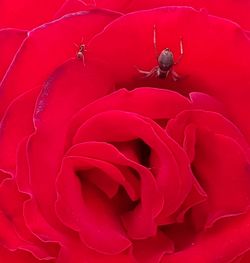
124	131
55	40
27	14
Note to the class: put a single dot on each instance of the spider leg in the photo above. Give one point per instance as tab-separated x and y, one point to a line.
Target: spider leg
155	44
181	52
150	73
83	61
167	73
142	71
175	75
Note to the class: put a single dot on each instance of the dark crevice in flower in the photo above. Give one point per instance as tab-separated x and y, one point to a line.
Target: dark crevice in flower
116	193
136	150
98	179
182	234
122	202
144	152
195	172
162	122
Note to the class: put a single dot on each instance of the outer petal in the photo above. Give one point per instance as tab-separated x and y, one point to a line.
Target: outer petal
76	252
229	239
10	41
71	6
46	48
55	106
21	118
245	258
236	11
207	64
110	4
27	14
19	256
13	231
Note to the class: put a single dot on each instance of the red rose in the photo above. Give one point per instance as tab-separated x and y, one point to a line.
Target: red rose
101	163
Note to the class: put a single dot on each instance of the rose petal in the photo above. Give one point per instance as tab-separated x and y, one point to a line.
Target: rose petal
71	6
151	199
113	126
207	55
183	177
205	102
19	256
216	155
55	106
88	211
21	118
226	241
151	250
196	196
243	258
45	230
27	14
157	104
4	175
235	10
14	232
10	41
76	251
105	152
212	121
55	41
110	4
22	167
221	167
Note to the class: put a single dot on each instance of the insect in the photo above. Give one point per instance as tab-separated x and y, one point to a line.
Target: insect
165	62
81	51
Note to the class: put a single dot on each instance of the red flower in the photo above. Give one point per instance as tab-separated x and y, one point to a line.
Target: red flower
101	163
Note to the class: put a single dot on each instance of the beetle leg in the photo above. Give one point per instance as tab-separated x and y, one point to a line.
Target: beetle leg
181	52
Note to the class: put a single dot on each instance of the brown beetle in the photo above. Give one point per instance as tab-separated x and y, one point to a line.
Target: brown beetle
165	62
